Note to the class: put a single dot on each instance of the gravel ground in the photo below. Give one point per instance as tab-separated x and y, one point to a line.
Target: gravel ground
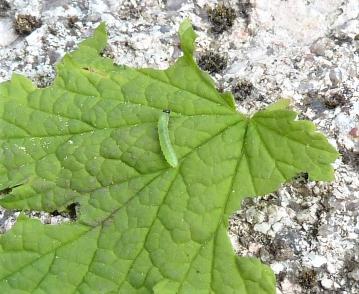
261	50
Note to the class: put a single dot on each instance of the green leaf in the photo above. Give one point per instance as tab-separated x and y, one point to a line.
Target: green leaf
143	227
280	104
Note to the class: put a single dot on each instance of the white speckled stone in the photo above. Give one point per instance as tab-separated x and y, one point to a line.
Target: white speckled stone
7	32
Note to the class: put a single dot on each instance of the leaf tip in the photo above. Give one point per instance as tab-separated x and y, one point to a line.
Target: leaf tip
281	104
228	97
98	40
187	37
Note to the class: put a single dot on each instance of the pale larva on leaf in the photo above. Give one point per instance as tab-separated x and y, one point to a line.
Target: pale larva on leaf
165	141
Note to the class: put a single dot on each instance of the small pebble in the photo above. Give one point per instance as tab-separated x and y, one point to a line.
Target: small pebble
262	227
4	7
316	260
327	283
277	267
174	5
318	47
354	132
355	274
335	76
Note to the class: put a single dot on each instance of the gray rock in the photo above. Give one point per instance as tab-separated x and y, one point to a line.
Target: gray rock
54	56
51	4
335	76
4	8
355	274
7	32
319	46
327	283
174	5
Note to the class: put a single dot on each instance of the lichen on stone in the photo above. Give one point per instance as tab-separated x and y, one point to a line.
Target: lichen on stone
221	18
26	23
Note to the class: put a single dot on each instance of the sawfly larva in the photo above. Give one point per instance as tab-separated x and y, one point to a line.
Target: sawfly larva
165	141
